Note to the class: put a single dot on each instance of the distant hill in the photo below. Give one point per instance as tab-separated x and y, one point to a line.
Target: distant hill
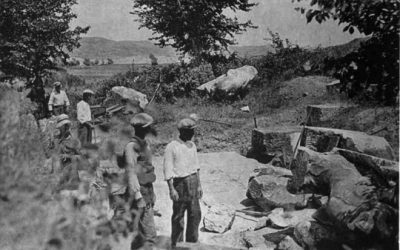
122	52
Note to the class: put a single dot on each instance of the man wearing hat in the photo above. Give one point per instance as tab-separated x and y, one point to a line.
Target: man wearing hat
68	150
84	116
181	171
140	175
58	102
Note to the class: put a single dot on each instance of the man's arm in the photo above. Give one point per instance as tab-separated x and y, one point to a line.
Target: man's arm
51	101
168	172
66	100
131	170
197	165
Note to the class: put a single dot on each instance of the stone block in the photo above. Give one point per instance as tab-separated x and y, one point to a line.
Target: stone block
325	139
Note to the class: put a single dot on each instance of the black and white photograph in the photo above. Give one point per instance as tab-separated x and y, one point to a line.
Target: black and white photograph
199	124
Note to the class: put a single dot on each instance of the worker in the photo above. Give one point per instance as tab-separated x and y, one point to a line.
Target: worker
182	173
84	116
140	174
58	102
68	149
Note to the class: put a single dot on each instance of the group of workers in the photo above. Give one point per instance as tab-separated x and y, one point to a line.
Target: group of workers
181	171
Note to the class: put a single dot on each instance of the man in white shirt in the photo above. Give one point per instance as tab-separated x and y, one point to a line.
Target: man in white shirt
182	172
84	116
58	102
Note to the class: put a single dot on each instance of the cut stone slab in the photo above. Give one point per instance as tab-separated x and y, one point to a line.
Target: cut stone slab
320	115
325	139
219	218
281	219
272	143
288	243
270	192
380	169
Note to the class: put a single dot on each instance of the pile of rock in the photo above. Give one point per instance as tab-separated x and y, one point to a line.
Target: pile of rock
355	176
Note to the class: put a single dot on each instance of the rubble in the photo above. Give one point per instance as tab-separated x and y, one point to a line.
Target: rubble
288	244
270	192
325	139
219	218
281	219
256	238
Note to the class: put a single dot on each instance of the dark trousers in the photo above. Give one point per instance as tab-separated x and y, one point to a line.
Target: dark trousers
85	134
188	202
145	228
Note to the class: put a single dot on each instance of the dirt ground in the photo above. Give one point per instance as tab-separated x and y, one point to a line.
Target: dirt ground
224	178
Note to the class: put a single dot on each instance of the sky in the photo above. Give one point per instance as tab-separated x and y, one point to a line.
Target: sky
111	19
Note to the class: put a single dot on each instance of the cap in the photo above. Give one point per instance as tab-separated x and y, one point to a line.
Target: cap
142	119
57	84
62	120
187	123
194	117
88	91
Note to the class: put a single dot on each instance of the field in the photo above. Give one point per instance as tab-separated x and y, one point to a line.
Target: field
96	73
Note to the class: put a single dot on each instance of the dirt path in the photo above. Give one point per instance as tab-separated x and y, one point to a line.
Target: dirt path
224	179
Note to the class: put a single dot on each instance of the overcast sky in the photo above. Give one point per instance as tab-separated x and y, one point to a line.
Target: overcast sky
111	19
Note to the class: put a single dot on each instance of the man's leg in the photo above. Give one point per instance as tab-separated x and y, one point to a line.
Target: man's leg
89	134
147	228
82	134
177	221
193	221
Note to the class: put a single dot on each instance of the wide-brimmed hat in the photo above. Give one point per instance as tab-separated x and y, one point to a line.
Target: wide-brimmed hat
57	84
88	91
142	119
62	120
187	123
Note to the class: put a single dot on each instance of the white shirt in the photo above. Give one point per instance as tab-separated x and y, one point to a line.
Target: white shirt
180	160
58	99
83	112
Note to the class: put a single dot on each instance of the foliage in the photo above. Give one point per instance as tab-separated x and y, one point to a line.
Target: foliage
197	28
376	62
35	34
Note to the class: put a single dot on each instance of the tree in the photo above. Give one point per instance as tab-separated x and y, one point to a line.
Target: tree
376	62
198	28
86	62
35	34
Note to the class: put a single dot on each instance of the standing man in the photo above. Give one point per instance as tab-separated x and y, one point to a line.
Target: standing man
68	149
140	174
84	116
58	102
181	171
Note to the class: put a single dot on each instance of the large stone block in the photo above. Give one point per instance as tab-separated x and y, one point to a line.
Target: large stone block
325	139
273	143
320	115
270	192
353	204
381	170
